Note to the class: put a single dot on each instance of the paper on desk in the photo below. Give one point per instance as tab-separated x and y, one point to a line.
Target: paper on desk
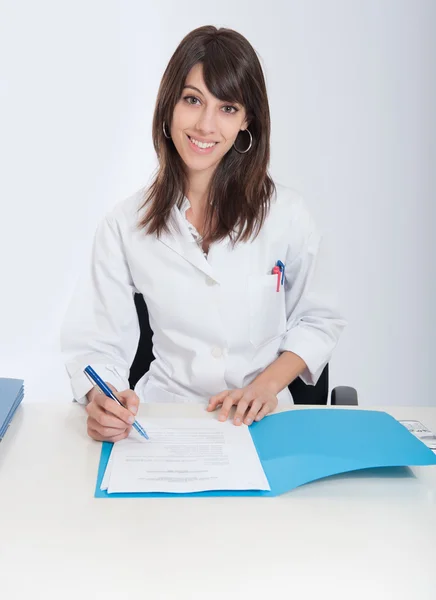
134	436
186	455
107	474
422	433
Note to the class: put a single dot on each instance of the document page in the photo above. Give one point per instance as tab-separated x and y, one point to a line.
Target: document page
185	455
422	433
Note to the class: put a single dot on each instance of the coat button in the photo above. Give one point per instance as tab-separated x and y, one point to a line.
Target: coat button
216	352
210	281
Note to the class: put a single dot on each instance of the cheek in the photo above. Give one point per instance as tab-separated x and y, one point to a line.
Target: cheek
181	117
230	130
175	121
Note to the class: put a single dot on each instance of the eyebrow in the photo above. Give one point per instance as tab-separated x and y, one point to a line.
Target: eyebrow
192	87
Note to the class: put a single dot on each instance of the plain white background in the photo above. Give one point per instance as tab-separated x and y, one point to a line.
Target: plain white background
352	96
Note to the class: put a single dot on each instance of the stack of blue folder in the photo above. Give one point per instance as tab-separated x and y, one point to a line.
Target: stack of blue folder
11	394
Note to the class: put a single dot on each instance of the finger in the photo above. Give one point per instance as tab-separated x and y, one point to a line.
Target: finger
237	395
96	435
107	433
265	410
256	406
108	429
105	419
130	400
240	410
112	407
216	400
229	401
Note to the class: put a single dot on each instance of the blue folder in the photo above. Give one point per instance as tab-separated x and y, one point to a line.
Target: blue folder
11	394
299	446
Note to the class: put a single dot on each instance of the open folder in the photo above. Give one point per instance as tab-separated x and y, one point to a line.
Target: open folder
11	394
291	448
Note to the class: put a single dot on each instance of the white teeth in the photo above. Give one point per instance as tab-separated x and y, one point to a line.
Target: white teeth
202	144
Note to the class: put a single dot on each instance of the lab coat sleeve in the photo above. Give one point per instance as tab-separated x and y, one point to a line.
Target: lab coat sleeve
101	327
314	322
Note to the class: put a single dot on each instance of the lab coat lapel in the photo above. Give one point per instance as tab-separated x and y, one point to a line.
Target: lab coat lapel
179	239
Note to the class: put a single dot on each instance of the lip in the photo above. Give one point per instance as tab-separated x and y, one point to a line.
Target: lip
200	139
198	150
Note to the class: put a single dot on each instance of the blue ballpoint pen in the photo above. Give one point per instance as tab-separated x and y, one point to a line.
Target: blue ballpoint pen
89	371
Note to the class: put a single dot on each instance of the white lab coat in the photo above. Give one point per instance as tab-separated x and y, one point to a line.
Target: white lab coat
217	322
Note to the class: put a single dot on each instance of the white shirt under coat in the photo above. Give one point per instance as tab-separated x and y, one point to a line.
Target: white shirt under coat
218	321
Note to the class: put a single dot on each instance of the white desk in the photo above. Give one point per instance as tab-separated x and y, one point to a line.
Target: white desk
348	537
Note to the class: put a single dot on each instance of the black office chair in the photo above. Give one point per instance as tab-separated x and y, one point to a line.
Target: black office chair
301	393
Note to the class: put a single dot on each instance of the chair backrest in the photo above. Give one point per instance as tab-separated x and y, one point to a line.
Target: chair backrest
301	393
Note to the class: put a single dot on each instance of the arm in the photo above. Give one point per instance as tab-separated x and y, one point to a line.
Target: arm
314	322
313	327
101	326
280	373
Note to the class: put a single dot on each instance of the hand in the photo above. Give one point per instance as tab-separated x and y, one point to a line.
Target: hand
107	420
252	403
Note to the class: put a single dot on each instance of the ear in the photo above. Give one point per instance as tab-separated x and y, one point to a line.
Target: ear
244	125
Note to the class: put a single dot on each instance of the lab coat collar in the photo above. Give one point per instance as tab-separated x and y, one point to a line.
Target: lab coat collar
180	239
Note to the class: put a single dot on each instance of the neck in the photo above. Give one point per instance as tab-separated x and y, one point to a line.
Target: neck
198	187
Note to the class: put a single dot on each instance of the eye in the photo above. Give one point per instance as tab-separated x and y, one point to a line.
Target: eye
189	98
232	110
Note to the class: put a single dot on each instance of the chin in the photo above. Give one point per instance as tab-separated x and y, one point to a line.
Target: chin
200	165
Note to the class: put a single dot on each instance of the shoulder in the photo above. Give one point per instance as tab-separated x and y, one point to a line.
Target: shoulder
127	210
290	217
288	205
125	215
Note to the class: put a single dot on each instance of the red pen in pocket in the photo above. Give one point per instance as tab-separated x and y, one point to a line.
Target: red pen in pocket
276	271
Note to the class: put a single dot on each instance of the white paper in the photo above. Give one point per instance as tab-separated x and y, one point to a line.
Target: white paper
186	455
421	432
135	436
107	474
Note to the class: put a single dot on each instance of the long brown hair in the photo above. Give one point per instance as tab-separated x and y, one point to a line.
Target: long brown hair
240	190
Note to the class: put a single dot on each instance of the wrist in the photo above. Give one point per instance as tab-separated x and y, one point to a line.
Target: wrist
91	394
95	391
267	383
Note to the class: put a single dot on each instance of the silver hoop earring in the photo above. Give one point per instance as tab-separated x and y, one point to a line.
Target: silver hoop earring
164	132
249	145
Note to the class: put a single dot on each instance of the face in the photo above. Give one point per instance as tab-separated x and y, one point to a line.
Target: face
204	128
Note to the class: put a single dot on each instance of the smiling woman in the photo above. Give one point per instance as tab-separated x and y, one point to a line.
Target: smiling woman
211	131
226	260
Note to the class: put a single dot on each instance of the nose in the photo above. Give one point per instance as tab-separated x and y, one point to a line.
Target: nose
206	124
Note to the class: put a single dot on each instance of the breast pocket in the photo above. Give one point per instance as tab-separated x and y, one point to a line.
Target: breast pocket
267	309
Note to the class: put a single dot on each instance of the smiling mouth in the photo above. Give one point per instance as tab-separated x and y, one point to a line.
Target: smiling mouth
202	145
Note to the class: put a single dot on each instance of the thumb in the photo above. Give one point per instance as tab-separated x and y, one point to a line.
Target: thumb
130	400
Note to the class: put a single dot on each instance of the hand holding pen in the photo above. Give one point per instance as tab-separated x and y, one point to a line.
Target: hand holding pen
111	414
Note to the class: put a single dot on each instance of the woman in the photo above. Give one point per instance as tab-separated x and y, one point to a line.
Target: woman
224	258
